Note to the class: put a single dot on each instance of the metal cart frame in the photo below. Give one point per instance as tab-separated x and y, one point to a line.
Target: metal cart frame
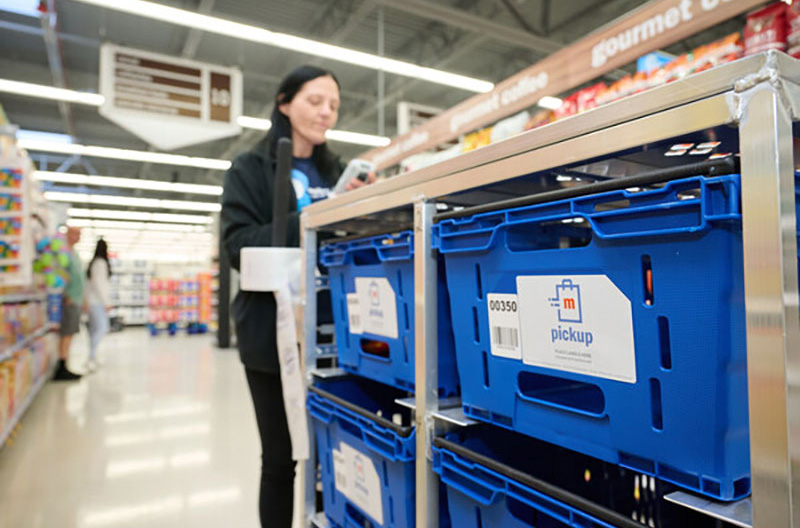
759	96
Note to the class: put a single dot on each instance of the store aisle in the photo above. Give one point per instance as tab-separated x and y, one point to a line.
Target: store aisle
162	435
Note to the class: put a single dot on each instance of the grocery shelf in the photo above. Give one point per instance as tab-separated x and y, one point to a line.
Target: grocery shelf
752	108
11	214
20	411
22	343
11	298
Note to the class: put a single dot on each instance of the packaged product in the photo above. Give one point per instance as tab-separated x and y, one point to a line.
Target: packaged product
793	29
505	128
540	118
586	99
765	29
568	107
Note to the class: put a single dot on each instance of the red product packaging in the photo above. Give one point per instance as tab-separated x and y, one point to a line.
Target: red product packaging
793	29
587	98
766	29
568	107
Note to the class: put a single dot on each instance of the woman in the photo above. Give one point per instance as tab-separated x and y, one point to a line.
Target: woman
306	107
99	273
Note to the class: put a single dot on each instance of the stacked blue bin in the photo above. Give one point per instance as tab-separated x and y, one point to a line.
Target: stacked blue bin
366	446
372	292
611	324
495	477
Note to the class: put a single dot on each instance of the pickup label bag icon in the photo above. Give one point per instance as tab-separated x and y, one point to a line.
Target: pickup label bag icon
579	323
568	302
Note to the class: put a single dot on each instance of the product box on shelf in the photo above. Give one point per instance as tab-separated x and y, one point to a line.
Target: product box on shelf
372	293
766	29
11	179
585	322
367	450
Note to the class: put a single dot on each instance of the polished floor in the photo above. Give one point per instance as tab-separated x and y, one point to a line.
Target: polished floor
163	434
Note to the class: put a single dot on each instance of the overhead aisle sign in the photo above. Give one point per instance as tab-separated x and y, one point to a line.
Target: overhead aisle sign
655	25
167	101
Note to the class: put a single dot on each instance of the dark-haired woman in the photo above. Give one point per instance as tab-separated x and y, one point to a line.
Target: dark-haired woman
306	107
99	273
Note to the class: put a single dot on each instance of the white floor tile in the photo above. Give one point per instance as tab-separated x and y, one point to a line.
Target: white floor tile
163	434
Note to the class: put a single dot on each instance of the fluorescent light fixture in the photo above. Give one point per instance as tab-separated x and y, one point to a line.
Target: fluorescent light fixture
111	214
124	154
254	122
333	135
357	138
130	201
210	24
50	92
43	136
549	102
21	7
127	183
135	226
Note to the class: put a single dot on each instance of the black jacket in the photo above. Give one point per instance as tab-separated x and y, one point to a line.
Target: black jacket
246	220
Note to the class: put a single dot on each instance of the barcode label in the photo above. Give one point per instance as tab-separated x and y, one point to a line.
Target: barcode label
354	314
504	337
504	327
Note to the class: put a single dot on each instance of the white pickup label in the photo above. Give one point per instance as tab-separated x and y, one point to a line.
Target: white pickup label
378	306
577	323
504	329
354	313
356	478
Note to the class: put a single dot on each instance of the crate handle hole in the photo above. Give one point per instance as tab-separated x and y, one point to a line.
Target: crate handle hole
548	235
366	257
572	395
647	280
374	347
612	205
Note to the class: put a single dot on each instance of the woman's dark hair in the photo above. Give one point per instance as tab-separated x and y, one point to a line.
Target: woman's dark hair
324	159
100	252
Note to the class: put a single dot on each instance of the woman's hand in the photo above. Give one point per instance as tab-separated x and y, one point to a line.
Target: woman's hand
355	183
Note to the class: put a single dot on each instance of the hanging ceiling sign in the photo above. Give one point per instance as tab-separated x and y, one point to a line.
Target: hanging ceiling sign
169	102
655	25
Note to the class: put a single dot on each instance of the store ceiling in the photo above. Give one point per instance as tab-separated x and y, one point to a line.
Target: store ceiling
411	35
445	34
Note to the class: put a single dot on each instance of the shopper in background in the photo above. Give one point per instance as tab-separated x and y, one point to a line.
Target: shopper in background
98	292
72	304
306	107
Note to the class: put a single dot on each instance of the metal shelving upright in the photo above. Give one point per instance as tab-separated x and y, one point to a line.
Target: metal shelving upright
752	108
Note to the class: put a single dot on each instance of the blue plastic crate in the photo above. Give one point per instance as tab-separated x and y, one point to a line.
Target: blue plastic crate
383	266
501	478
663	390
367	460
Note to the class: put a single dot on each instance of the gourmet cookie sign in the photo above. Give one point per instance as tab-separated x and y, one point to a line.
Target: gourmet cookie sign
629	38
655	25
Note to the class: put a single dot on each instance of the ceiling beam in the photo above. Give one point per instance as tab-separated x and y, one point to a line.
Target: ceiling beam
48	20
192	41
476	24
516	15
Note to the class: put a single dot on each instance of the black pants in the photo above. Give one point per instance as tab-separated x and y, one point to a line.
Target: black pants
276	500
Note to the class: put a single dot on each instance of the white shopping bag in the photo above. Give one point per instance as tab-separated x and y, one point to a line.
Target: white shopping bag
294	396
